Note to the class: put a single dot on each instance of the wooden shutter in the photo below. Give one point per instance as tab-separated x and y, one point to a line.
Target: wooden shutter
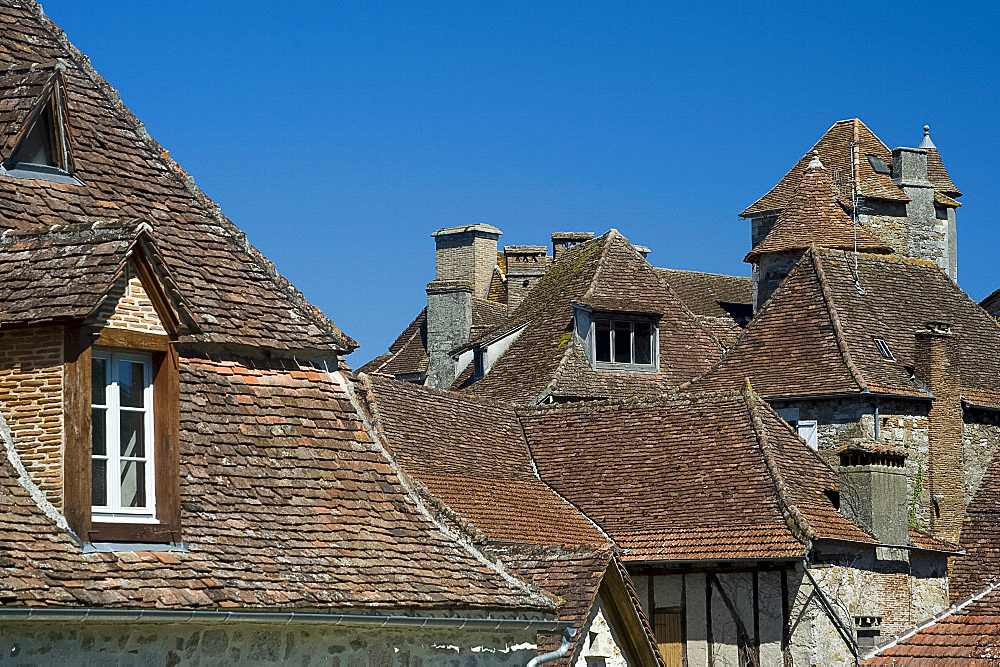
667	628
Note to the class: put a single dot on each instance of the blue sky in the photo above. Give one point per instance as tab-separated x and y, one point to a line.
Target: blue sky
340	135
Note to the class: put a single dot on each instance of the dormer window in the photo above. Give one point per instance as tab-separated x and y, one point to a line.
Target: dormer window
621	341
43	151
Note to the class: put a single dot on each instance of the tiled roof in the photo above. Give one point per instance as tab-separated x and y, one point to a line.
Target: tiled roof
408	353
546	359
473	456
938	175
835	153
67	272
235	293
724	304
740	485
814	215
286	503
966	634
23	87
498	283
816	334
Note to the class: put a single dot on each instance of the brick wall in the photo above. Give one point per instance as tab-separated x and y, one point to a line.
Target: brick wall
31	385
135	311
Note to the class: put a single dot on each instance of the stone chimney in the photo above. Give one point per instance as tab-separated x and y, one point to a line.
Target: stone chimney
873	491
526	264
928	236
563	240
469	253
936	366
642	250
464	261
449	321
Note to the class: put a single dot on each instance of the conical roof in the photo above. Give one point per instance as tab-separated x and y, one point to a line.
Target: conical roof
815	216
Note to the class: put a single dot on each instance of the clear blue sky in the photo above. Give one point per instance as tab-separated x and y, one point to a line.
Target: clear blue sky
338	135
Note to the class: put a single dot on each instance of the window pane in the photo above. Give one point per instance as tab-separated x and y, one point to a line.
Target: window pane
98	380
133	433
643	343
602	342
99	431
623	342
131	382
133	484
99	482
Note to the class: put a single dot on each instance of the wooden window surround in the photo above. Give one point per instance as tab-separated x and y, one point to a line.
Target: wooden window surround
79	345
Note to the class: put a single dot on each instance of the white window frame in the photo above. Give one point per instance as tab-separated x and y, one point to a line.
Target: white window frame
113	511
808	430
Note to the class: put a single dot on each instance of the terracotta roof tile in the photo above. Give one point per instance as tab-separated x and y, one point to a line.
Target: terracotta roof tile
546	358
816	334
835	153
967	634
236	295
479	464
746	487
285	501
814	215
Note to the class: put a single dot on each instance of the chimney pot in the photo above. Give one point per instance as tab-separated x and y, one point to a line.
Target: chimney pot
563	240
873	491
526	264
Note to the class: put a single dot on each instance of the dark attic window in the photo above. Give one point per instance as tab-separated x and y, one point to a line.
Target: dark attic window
43	152
878	164
625	342
883	349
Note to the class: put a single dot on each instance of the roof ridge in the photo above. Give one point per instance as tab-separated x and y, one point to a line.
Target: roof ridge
838	330
553	384
461	530
113	97
796	522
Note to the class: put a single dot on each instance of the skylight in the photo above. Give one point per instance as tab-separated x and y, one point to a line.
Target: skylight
884	350
878	164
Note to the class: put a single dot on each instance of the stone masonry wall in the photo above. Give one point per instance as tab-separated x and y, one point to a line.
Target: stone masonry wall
134	311
902	424
229	644
31	388
980	444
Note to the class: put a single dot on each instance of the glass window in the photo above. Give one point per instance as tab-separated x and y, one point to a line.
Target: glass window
122	436
624	342
602	341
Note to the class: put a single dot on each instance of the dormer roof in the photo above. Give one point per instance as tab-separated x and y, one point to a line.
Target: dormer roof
816	215
235	294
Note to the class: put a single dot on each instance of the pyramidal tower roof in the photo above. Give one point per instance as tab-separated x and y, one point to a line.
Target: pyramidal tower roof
814	215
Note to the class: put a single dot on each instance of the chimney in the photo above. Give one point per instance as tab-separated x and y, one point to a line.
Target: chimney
526	264
642	250
936	366
563	240
873	491
929	233
469	253
449	321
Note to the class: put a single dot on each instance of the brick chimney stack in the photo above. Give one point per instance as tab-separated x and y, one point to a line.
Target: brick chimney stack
936	365
469	253
873	491
526	264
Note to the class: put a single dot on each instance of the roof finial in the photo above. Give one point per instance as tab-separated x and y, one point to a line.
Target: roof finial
815	163
926	141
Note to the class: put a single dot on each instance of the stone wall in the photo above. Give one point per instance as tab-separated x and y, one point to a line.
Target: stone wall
901	423
769	273
31	395
227	644
598	643
980	444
